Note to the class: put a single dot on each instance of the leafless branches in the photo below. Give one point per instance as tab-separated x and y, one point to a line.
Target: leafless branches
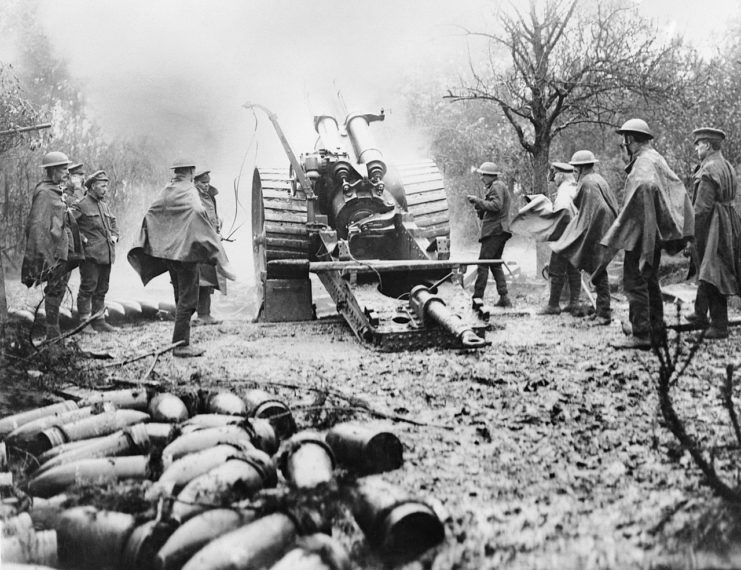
672	365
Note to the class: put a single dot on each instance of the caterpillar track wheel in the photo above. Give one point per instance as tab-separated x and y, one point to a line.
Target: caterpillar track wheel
426	198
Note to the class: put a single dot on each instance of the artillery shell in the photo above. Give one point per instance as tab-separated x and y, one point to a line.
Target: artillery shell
187	468
394	522
132	309
197	533
364	449
116	312
106	469
133	399
94	426
225	403
89	538
123	442
148	308
201	421
11	423
315	552
204	439
167	408
25	436
159	433
239	478
257	545
143	544
307	460
264	436
261	404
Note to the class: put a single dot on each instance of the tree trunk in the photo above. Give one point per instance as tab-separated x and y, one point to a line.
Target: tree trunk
541	165
3	309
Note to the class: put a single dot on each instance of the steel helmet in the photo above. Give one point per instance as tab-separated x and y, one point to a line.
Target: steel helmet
635	126
183	163
488	168
582	157
55	158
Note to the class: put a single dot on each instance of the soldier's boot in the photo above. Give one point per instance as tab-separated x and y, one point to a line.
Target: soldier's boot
88	329
575	307
100	324
51	306
204	309
553	307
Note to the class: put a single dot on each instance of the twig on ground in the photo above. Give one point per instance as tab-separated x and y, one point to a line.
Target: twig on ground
356	402
74	331
156	352
727	394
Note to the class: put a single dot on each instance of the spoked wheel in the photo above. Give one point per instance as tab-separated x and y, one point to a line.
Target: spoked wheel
426	197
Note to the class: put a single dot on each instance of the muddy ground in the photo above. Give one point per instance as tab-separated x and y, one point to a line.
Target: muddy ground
545	450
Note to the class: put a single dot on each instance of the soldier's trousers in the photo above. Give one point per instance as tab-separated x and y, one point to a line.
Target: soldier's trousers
204	300
94	282
602	288
492	247
645	306
56	286
559	271
184	278
710	299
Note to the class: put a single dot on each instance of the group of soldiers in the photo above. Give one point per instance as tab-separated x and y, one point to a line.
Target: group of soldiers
71	226
585	228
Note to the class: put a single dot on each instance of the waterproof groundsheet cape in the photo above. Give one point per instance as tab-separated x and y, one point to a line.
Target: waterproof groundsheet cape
597	210
717	250
176	227
537	219
656	210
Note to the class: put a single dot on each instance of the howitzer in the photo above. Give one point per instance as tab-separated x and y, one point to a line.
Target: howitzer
377	235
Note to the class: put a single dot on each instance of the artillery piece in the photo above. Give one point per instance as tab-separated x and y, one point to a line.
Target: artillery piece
377	236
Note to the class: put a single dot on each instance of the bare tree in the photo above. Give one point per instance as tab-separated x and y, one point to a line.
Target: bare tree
560	65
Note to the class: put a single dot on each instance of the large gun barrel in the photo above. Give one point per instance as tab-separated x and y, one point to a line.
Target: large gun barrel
430	307
366	152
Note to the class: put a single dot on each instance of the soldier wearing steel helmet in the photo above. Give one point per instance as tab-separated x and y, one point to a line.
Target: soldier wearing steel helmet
493	210
597	209
175	237
656	215
53	244
716	251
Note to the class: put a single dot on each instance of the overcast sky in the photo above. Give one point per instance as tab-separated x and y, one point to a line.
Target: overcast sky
183	68
180	70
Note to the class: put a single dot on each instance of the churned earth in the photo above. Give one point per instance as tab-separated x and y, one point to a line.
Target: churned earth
544	450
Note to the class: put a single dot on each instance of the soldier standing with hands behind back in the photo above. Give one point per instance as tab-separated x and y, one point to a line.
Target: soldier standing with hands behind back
209	279
717	247
493	211
99	232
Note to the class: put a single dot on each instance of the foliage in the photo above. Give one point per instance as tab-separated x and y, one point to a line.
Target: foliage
567	68
39	87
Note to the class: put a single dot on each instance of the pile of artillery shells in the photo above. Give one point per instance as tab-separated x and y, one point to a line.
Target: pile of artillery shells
202	461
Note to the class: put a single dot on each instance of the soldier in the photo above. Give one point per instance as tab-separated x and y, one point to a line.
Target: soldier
559	269
716	251
74	190
656	215
579	244
209	278
99	233
493	210
176	236
52	242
